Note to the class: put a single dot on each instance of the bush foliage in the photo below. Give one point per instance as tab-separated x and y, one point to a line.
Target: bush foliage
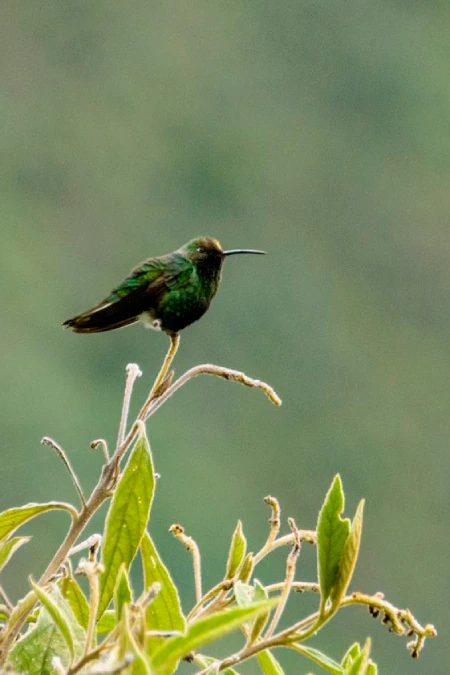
56	628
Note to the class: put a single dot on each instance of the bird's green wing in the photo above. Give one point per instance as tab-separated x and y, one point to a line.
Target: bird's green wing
155	275
140	277
140	291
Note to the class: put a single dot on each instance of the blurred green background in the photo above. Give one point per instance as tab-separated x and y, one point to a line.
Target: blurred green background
318	131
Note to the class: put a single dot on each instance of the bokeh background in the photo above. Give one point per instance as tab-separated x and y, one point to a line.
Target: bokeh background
316	130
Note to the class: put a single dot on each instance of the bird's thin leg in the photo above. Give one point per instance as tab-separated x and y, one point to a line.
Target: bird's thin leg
174	343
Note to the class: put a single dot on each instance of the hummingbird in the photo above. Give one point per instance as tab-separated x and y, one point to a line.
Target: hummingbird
167	292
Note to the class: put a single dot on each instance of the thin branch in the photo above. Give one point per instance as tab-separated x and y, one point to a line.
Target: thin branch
401	621
91	569
133	372
290	573
94	540
6	600
63	457
101	443
225	585
297	587
274	521
218	371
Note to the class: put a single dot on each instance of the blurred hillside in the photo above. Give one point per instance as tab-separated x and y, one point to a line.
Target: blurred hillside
318	131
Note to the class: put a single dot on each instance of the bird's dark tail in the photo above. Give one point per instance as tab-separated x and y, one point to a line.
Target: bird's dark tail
103	317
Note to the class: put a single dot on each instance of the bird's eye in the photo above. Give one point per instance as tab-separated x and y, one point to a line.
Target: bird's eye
200	249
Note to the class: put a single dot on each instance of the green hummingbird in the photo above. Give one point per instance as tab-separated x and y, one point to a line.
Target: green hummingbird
167	292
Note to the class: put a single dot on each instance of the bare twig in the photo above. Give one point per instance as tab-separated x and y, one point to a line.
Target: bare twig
101	443
191	546
6	600
274	528
91	569
63	457
133	372
94	540
290	573
218	371
225	585
297	587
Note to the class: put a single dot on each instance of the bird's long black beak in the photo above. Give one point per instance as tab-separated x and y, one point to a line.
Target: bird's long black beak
235	251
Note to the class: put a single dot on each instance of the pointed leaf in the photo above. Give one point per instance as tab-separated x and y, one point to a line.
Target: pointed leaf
204	631
349	557
237	551
321	659
11	519
77	600
332	533
246	571
122	591
350	655
22	608
361	663
127	518
268	663
164	612
9	547
259	594
52	603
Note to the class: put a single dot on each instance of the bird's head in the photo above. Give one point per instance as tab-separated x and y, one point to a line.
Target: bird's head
207	252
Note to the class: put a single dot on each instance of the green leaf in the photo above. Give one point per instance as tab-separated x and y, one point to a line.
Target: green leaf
361	664
351	654
22	608
107	622
9	547
321	659
237	551
53	605
164	612
259	594
243	594
332	533
122	591
77	600
349	557
268	663
204	631
127	518
246	571
33	653
11	519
